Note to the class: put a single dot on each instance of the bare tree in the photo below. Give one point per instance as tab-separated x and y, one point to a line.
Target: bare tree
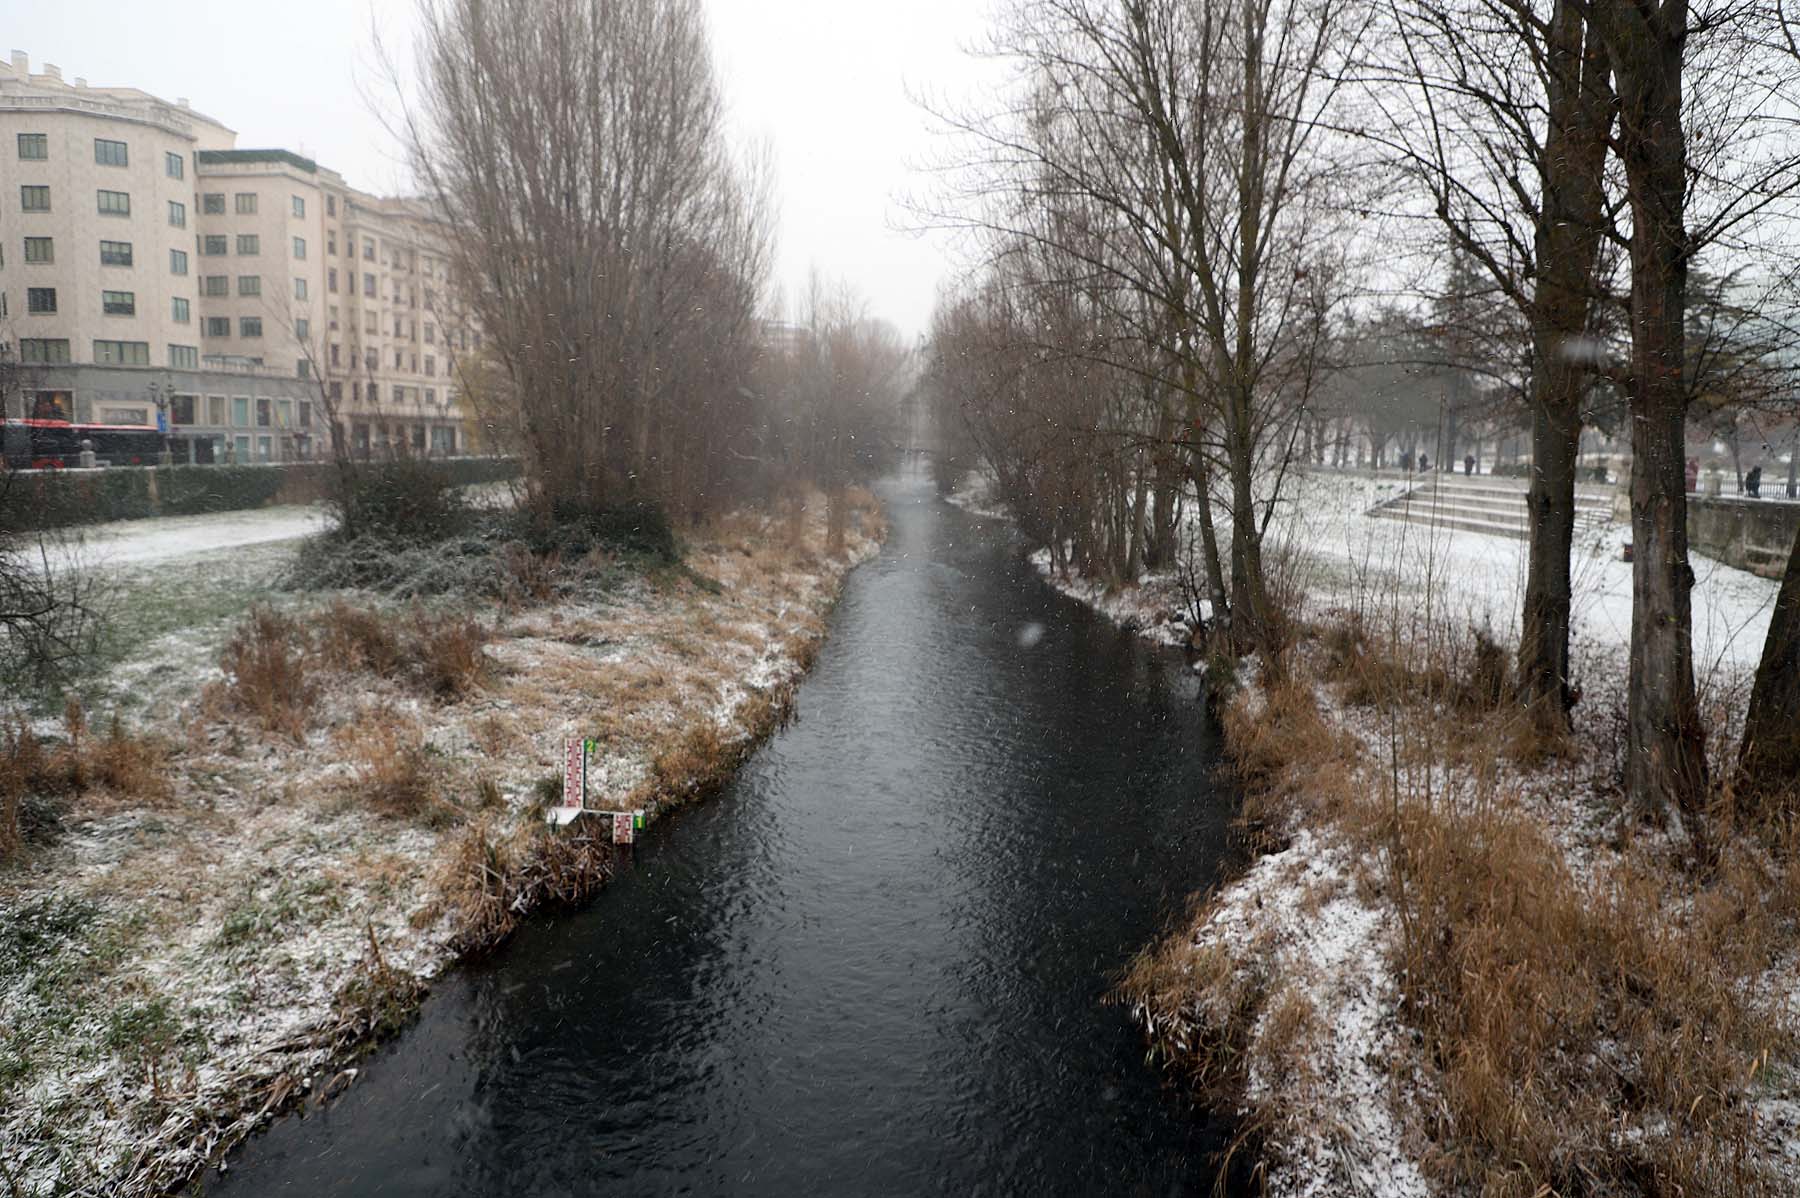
610	247
1175	152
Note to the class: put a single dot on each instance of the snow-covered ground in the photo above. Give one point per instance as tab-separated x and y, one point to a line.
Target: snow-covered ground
136	542
173	966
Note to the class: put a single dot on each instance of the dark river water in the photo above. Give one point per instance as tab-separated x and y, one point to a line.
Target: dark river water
875	964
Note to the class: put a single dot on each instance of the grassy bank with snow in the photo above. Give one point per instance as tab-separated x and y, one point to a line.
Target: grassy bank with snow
1460	962
249	852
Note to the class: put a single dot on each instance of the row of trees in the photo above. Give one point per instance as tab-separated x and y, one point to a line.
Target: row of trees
1184	206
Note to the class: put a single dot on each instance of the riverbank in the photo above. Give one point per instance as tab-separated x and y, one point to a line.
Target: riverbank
1460	963
259	873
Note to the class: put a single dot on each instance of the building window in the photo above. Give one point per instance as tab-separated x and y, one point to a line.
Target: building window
177	214
34	146
249	284
240	411
430	334
249	326
115	253
122	353
430	395
174	166
218	326
110	153
265	447
369	286
44	351
245	202
40	300
331	242
118	303
114	203
330	205
213	244
213	203
215	285
299	206
40	249
285	413
299	289
368	249
185	357
430	367
302	328
331	280
178	310
34	198
181	407
215	409
334	353
262	413
300	248
248	244
178	262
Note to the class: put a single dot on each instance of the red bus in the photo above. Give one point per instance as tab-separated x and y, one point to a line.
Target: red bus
56	444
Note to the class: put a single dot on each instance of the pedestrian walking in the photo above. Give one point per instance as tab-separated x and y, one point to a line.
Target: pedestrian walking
1424	463
1469	464
1753	482
1693	475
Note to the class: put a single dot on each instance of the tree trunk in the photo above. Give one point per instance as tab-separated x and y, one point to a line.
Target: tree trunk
1665	768
1567	246
1769	757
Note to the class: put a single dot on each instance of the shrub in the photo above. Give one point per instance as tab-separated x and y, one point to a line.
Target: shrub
636	529
269	673
410	499
358	638
396	775
446	654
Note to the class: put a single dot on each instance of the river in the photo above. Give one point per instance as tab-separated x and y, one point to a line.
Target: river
875	964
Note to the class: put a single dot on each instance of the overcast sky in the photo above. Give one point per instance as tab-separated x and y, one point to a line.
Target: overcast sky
824	80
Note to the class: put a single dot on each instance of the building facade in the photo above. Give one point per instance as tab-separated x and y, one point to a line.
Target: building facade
154	275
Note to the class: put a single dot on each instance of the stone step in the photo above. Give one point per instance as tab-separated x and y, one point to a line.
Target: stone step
1589	499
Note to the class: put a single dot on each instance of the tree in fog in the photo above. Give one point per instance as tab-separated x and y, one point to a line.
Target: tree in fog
1172	154
604	237
837	381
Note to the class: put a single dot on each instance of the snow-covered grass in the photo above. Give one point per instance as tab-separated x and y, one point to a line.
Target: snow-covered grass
175	970
1463	965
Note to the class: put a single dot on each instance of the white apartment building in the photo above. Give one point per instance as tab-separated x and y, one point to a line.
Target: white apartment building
152	274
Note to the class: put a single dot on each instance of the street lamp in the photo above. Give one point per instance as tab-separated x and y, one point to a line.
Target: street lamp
161	394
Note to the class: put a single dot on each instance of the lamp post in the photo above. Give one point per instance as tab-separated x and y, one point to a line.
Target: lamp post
161	394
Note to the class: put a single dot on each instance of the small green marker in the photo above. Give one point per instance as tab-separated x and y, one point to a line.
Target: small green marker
637	820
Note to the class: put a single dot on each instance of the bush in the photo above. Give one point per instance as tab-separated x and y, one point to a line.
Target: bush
637	529
268	673
409	499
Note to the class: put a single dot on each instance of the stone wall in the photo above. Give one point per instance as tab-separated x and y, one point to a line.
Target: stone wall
1751	534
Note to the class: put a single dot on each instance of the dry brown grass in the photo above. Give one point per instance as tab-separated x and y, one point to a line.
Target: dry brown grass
270	674
396	775
128	768
1599	1034
1586	1036
356	638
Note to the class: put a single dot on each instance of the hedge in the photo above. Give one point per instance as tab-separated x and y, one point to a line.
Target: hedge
58	498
